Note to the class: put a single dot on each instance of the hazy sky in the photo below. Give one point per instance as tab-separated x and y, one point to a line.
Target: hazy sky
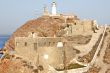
14	13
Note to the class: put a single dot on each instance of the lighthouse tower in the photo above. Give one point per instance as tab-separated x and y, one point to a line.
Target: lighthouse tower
54	9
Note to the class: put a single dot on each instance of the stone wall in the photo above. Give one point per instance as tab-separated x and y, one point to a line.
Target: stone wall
34	49
30	42
25	48
80	27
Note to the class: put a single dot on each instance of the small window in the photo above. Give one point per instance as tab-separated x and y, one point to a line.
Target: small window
25	43
32	32
67	25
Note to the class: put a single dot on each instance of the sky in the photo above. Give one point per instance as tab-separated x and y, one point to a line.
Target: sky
14	13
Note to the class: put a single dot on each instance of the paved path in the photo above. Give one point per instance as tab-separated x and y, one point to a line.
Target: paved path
98	48
85	49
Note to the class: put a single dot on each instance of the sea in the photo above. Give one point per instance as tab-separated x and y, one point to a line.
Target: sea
3	39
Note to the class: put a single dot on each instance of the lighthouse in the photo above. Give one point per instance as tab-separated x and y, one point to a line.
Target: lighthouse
54	9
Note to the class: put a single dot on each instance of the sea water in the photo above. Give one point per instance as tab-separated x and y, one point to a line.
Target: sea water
3	39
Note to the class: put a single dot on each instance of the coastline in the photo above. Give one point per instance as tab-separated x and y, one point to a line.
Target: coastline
3	39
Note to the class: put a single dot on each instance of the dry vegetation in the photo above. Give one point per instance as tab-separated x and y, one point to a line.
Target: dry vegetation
93	70
8	66
108	71
107	52
16	66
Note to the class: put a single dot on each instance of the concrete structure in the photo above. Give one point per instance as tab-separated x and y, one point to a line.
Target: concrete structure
45	11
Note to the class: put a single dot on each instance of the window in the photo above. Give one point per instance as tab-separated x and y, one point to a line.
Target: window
75	23
67	25
25	43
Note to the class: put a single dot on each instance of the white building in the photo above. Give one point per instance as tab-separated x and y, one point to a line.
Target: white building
54	10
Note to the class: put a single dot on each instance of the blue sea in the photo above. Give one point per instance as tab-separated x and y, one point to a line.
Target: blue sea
3	39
